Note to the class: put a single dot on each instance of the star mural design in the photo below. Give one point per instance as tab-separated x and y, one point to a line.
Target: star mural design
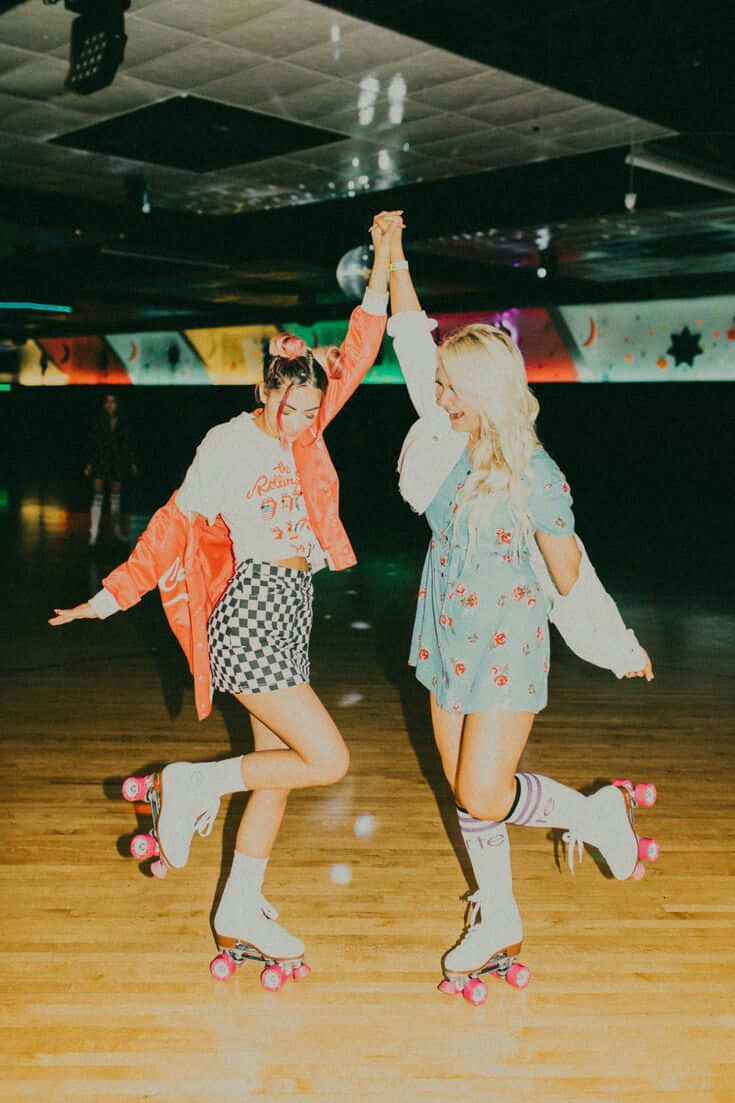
684	347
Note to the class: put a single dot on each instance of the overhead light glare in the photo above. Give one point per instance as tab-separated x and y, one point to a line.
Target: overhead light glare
645	160
49	308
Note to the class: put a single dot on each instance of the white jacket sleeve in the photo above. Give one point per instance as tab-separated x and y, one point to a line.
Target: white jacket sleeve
416	352
588	618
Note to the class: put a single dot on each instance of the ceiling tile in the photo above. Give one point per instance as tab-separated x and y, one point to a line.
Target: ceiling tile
425	70
260	83
38	79
636	130
194	65
381	122
11	57
432	128
36	28
124	94
587	116
147	40
288	29
328	97
460	95
519	108
209	18
42	121
358	53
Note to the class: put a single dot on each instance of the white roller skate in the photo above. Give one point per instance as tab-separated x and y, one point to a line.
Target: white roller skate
181	804
245	929
489	944
610	828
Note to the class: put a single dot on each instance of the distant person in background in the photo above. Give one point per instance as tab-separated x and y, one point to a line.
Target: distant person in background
111	462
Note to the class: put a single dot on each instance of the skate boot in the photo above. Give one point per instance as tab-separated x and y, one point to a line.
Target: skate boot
245	929
610	828
488	945
181	804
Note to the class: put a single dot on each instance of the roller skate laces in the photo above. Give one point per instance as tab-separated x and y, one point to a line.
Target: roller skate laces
484	947
611	830
260	939
186	809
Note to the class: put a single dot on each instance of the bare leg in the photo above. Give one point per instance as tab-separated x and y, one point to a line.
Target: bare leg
315	752
264	811
491	747
448	737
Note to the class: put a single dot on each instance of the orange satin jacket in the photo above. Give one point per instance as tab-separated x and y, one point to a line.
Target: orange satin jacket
192	561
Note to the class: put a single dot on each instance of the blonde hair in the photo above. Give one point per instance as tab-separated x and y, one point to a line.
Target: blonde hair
486	369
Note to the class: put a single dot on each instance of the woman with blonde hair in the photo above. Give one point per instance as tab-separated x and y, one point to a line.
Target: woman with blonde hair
503	559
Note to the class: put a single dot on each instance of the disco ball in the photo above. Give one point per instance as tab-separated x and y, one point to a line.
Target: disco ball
353	271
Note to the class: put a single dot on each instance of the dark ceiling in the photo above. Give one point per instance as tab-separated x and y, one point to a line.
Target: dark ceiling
265	138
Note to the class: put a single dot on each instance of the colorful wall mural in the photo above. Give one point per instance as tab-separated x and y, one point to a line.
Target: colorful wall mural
659	341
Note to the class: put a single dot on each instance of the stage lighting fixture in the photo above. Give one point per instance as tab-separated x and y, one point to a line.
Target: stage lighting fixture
643	159
97	43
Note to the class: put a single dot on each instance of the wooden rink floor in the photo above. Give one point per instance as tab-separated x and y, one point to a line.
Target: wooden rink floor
106	992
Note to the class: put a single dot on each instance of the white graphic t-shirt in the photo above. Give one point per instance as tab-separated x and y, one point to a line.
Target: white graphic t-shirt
251	480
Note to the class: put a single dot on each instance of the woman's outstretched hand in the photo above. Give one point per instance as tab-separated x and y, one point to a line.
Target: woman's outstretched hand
646	672
79	612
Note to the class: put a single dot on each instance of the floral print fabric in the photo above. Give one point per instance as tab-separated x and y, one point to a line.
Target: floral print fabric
480	638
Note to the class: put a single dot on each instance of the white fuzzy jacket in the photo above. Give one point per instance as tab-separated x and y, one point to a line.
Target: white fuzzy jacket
587	617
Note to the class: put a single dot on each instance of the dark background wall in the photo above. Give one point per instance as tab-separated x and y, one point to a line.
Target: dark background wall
650	466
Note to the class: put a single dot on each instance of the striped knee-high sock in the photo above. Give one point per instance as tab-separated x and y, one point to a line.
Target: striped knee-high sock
542	802
488	848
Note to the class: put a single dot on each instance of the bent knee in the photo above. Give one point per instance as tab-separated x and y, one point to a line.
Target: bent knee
483	804
335	765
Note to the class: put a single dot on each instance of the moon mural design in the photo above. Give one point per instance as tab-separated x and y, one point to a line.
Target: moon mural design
592	334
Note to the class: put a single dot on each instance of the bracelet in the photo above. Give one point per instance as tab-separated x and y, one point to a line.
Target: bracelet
398	266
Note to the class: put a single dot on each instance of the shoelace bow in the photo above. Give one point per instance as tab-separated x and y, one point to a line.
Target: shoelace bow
268	909
476	900
205	820
573	840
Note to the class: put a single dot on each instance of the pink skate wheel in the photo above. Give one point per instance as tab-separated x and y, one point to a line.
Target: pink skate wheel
222	967
638	872
448	987
272	978
648	849
134	788
645	794
143	846
159	869
518	975
624	783
301	972
475	992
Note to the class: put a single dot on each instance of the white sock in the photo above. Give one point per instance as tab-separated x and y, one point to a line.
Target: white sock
488	847
95	514
223	777
248	871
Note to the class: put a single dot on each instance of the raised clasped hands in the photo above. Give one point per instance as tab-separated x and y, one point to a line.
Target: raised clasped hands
385	228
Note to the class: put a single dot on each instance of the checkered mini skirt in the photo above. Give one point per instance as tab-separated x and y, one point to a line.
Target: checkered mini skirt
259	630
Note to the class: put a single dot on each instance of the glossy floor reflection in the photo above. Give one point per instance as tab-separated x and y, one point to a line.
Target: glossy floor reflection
107	993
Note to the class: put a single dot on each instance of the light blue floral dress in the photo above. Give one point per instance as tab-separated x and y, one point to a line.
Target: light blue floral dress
480	638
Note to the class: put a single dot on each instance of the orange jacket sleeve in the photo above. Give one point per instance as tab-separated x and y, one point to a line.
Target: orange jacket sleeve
163	539
358	353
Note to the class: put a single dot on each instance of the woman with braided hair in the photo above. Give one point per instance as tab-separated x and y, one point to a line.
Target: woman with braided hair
233	553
